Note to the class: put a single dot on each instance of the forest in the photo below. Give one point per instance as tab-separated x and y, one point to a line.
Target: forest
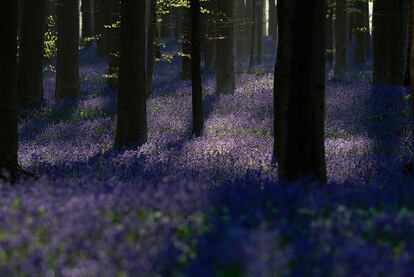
222	138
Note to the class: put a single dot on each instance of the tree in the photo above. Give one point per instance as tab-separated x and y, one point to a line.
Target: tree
197	87
272	19
329	36
8	101
101	17
186	73
299	90
131	128
224	50
259	31
87	9
30	70
67	67
341	38
360	29
150	45
389	42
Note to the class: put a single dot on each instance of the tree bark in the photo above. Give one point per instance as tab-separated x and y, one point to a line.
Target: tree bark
389	42
197	86
186	44
67	67
299	90
341	23
132	111
30	71
259	32
101	18
150	45
359	32
8	82
273	19
88	27
225	59
114	40
329	36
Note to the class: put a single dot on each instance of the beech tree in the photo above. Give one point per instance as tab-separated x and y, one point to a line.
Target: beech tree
197	87
299	105
30	70
131	128
87	8
389	42
8	100
341	39
151	45
224	51
67	67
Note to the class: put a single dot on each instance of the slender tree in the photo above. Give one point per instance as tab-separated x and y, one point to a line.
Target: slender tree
225	57
389	42
359	32
329	36
101	18
114	41
272	19
8	101
30	71
341	39
299	90
132	111
67	67
197	87
88	22
151	45
186	73
259	31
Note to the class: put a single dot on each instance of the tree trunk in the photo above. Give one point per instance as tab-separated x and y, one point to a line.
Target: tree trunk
367	36
225	58
150	45
359	31
412	55
272	19
67	67
132	111
101	19
341	23
329	37
30	72
186	70
259	32
253	46
299	89
8	102
389	42
197	86
114	40
87	9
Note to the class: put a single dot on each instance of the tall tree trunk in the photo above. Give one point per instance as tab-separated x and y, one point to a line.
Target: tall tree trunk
359	32
132	111
389	42
253	44
150	45
101	18
272	19
225	58
186	70
30	72
329	36
367	36
197	86
8	102
299	89
87	9
259	31
341	35
67	67
412	54
114	40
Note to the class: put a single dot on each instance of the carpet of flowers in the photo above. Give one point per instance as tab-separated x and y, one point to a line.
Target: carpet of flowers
209	206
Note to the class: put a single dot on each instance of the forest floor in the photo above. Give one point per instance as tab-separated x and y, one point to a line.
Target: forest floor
209	206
